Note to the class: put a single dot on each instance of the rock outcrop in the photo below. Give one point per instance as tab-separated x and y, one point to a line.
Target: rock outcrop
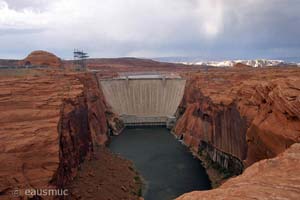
247	115
49	124
277	178
41	58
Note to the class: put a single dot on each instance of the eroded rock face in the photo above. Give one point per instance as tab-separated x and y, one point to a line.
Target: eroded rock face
49	124
41	58
96	103
277	178
276	126
251	114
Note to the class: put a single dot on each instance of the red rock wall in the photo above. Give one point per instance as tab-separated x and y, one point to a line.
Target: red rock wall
276	125
50	122
75	141
249	117
84	124
219	126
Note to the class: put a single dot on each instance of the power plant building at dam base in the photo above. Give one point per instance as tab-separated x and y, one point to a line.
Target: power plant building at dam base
144	99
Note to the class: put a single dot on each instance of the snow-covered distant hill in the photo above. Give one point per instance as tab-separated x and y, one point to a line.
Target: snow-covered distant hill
231	63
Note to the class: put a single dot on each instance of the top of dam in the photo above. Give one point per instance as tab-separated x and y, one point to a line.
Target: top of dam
146	75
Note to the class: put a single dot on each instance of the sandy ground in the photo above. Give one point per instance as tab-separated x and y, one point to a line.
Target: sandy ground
106	177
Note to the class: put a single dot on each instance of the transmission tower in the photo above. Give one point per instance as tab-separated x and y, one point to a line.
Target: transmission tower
79	59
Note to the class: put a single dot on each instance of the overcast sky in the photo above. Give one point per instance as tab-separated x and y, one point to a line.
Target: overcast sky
210	29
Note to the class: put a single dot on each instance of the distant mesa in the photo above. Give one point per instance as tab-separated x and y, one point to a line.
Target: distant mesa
41	58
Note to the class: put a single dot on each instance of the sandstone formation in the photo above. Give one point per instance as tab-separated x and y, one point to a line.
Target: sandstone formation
49	124
277	178
241	115
41	58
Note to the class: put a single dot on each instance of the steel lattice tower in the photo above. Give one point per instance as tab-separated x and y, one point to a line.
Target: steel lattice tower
79	59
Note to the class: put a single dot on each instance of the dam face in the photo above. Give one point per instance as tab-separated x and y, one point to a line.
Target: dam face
144	99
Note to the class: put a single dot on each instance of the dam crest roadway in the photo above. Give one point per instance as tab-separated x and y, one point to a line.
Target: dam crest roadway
146	98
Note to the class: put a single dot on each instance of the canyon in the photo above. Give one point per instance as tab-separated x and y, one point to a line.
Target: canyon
244	119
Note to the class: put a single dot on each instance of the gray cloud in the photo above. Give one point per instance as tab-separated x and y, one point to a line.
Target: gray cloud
28	4
14	32
206	28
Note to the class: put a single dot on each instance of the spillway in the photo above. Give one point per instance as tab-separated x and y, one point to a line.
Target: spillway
144	99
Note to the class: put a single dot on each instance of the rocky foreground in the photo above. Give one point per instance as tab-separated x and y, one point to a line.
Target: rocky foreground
277	178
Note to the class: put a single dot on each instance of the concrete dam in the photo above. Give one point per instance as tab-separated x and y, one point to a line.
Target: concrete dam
145	99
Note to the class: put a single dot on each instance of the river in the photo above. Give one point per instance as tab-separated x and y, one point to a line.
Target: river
167	167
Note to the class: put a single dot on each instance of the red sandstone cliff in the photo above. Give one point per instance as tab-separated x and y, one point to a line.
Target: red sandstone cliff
248	114
49	124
